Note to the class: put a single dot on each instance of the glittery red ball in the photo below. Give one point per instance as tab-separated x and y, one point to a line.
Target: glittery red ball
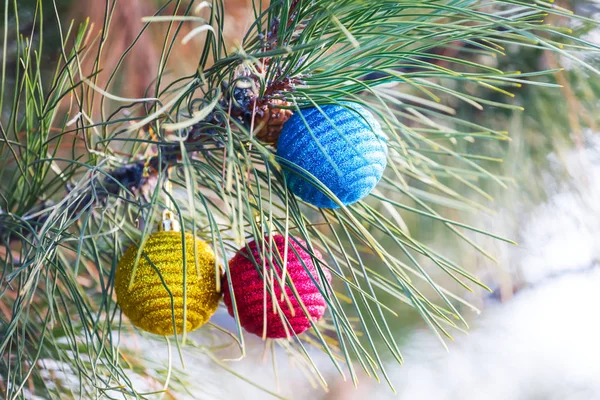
250	291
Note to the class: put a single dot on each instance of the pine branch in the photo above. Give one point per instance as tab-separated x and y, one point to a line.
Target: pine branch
67	215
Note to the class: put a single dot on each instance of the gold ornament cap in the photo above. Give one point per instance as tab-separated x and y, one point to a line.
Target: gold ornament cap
169	223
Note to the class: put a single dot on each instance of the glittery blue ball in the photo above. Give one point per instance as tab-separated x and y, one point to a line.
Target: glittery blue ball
342	146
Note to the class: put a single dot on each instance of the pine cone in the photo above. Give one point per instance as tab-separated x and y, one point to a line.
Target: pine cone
269	120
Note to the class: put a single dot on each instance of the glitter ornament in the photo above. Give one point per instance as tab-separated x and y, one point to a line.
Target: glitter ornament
249	289
342	146
147	302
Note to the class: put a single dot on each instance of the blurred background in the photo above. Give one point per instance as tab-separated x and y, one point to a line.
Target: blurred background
537	334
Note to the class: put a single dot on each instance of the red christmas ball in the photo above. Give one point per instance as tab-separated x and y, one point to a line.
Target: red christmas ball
249	288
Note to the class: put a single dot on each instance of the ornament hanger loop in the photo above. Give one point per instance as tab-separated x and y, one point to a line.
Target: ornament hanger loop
169	223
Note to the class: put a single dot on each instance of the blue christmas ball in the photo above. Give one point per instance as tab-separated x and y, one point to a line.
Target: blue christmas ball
342	146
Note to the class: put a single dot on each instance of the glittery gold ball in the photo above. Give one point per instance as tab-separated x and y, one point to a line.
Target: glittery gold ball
148	303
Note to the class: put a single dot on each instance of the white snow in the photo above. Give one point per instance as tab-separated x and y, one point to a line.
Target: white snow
543	343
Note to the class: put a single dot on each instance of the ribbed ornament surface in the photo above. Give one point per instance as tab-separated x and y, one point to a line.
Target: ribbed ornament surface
250	291
344	148
147	303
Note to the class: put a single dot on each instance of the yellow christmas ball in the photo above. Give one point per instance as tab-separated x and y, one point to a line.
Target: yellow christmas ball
148	303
